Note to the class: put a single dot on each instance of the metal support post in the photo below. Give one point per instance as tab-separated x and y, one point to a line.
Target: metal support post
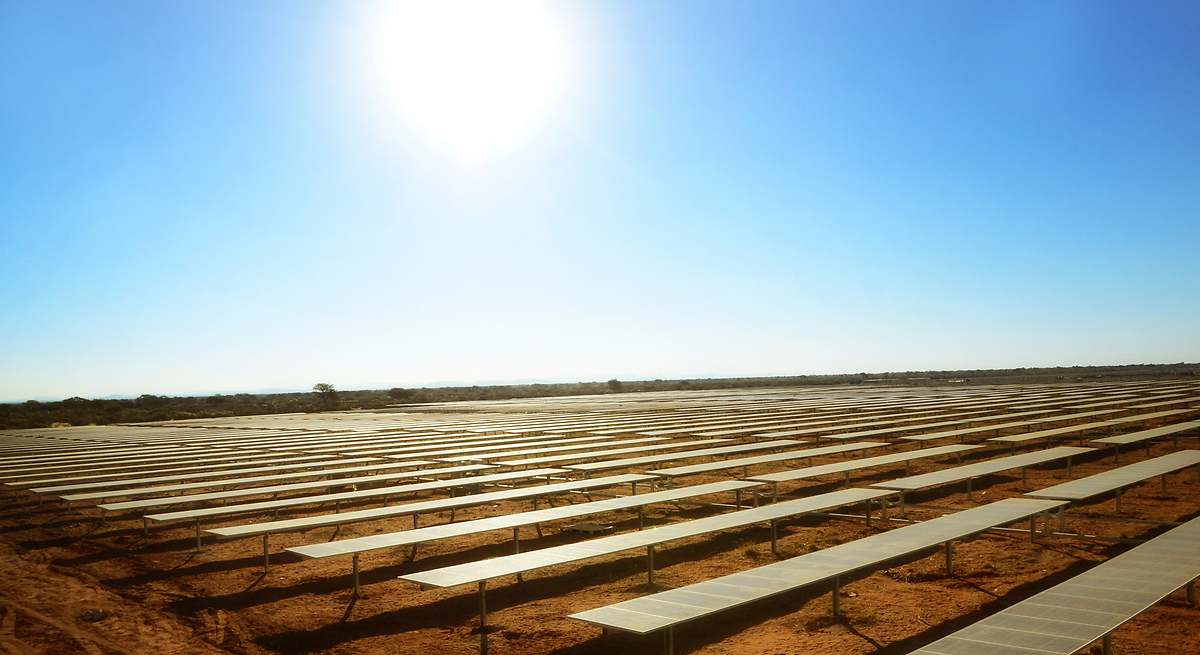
354	570
483	618
517	548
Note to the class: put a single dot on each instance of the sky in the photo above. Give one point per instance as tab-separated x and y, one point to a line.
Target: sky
236	196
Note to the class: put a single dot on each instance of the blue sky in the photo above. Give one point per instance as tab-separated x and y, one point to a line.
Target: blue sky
204	196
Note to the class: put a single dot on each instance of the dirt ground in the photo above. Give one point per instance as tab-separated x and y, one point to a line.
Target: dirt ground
71	585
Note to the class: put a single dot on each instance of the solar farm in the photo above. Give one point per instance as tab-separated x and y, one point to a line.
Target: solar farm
940	520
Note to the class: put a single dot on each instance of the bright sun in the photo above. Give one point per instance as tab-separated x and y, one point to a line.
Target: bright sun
474	79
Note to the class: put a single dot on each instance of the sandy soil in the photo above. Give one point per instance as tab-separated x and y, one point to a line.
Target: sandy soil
73	586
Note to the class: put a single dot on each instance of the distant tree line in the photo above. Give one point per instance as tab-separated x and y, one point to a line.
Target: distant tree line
324	397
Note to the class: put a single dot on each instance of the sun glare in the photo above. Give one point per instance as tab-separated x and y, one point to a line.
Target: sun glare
473	79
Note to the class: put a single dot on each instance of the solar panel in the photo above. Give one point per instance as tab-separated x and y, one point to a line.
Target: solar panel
1050	433
835	421
244	480
1152	433
687	454
445	530
496	567
858	434
734	429
856	464
666	609
1067	617
1015	424
312	463
568	457
276	488
521	451
1111	480
410	444
788	455
1168	403
138	464
210	464
962	432
889	419
475	449
358	494
977	469
187	454
97	457
420	507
